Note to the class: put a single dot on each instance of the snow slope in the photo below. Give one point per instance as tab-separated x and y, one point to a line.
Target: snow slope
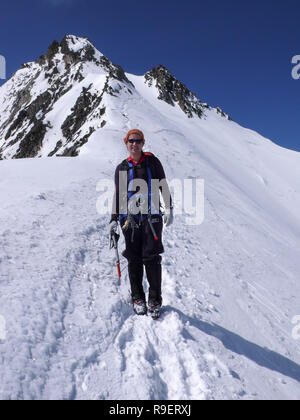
230	285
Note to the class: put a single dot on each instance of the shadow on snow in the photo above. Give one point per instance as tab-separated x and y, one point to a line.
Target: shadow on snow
260	355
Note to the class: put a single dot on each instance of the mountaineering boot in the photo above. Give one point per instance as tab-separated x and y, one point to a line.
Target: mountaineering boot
154	309
139	307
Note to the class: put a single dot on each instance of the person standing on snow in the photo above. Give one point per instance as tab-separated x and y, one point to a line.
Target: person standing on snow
141	220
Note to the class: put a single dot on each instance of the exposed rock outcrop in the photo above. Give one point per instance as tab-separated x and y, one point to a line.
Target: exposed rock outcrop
173	91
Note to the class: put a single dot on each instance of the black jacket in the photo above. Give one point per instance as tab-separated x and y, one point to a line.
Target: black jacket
141	171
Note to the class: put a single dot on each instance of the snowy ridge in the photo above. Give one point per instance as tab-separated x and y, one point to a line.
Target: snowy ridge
224	333
230	285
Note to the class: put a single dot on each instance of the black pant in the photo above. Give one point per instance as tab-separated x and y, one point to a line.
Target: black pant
143	248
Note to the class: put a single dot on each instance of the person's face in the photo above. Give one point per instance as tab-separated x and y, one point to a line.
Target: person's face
135	148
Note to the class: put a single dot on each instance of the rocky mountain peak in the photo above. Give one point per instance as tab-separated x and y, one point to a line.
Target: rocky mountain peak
173	91
72	50
33	92
75	49
53	105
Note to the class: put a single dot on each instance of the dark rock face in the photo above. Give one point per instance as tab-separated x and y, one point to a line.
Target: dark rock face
48	57
171	90
23	97
85	104
40	104
32	142
56	149
74	149
114	71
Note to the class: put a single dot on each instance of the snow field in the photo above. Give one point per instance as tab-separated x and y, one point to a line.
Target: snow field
71	333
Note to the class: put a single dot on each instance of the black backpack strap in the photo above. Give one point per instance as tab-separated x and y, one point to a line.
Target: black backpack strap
124	165
150	163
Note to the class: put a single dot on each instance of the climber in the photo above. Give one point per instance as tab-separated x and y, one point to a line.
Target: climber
137	206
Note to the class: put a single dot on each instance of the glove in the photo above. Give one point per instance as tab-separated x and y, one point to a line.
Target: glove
113	226
168	217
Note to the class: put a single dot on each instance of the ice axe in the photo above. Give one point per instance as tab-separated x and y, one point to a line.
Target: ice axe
114	238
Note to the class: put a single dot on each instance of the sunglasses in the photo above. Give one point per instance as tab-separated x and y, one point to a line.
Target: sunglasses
138	141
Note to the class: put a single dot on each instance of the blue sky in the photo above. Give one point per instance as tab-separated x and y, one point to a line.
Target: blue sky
235	54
